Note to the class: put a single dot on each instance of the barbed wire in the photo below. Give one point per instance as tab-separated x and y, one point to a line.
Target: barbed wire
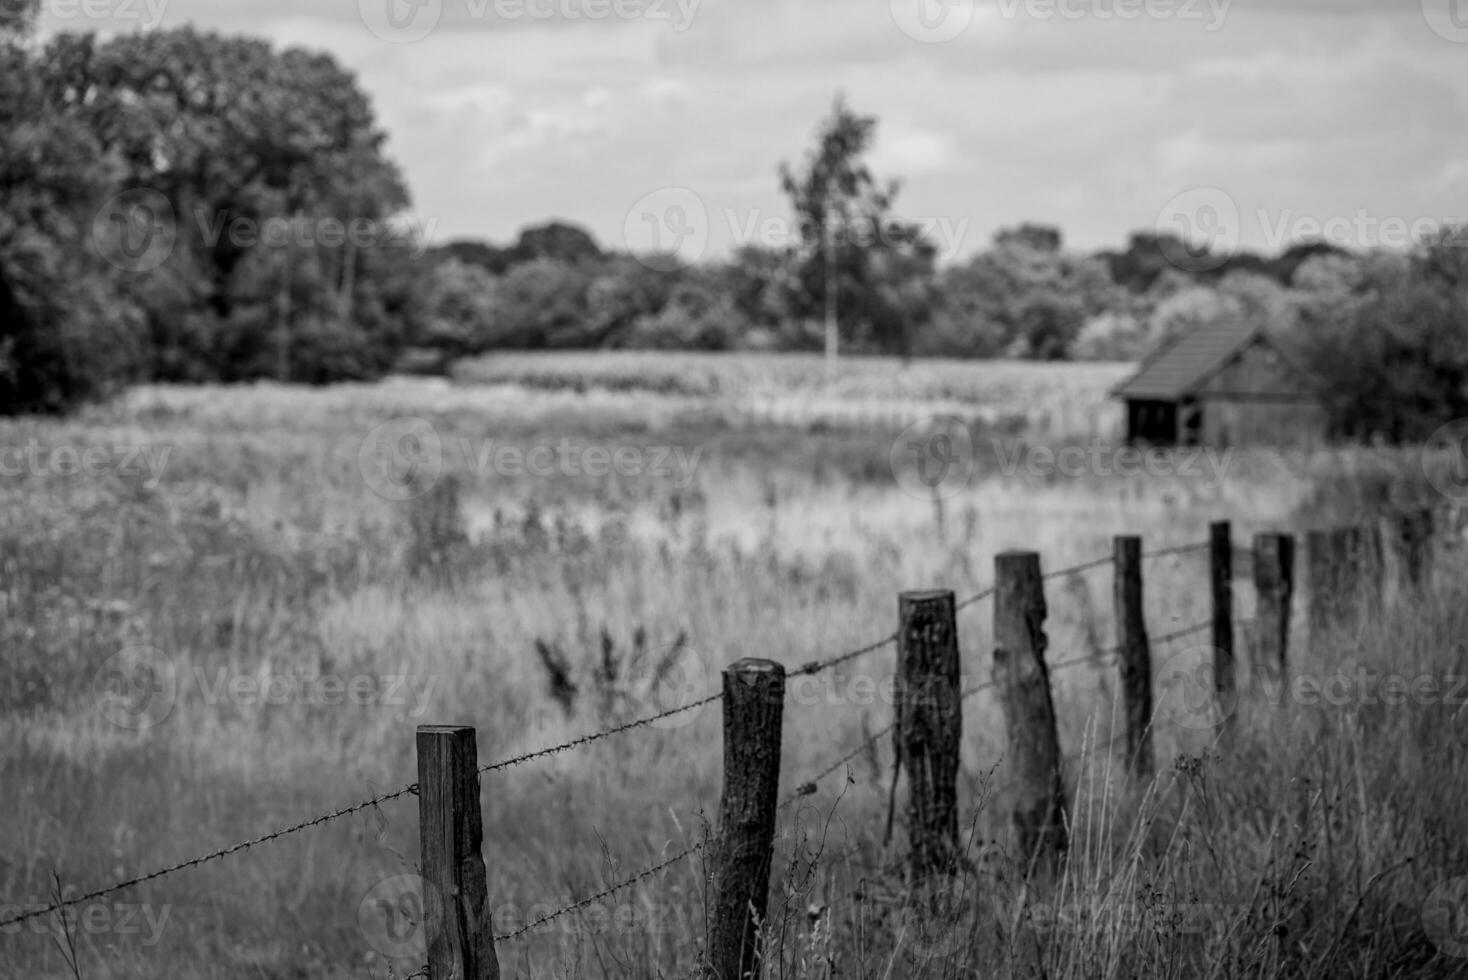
598	736
605	892
976	597
813	667
1077	569
211	856
1181	549
816	666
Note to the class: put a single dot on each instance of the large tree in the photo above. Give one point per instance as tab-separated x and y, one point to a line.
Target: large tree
857	263
231	134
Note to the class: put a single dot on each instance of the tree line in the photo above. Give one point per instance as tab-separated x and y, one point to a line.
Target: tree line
187	206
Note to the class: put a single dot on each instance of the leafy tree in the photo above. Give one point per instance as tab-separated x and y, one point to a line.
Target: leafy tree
542	303
232	134
1386	335
1023	297
849	240
65	337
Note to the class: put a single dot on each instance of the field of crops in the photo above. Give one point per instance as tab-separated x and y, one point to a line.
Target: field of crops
514	550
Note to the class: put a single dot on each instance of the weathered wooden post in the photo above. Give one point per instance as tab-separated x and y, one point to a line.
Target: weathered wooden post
1411	542
1023	683
1363	543
1135	652
929	726
456	916
1274	583
1325	558
754	704
1221	572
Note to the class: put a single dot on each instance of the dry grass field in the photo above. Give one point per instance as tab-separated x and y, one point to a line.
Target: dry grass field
297	623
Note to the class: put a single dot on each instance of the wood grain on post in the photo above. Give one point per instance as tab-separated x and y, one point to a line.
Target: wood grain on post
1023	683
1135	653
754	704
929	727
456	916
1274	583
1221	572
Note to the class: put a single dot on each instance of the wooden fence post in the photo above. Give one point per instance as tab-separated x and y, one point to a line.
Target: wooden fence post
929	725
1221	571
1274	582
1325	565
1411	543
1135	652
1023	683
1366	560
456	917
754	705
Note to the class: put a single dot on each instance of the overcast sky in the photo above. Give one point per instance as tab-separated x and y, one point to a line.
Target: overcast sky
1249	119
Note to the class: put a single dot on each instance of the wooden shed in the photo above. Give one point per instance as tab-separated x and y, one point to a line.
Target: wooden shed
1224	384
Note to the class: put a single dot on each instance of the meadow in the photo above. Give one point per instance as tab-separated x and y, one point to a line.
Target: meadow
245	544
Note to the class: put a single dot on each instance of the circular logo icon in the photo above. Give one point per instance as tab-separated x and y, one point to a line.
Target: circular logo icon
665	679
401	459
400	21
1447	18
1198	230
391	917
667	229
136	687
932	21
938	916
1445	917
1445	460
135	230
1186	696
933	458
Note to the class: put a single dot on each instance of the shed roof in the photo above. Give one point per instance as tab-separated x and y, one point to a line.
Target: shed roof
1181	365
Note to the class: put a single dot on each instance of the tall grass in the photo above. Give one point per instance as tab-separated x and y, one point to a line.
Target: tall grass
263	553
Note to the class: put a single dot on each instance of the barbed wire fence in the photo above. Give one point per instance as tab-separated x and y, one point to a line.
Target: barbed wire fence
804	788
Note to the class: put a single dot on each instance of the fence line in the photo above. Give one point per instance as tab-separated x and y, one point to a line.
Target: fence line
622	883
806	788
